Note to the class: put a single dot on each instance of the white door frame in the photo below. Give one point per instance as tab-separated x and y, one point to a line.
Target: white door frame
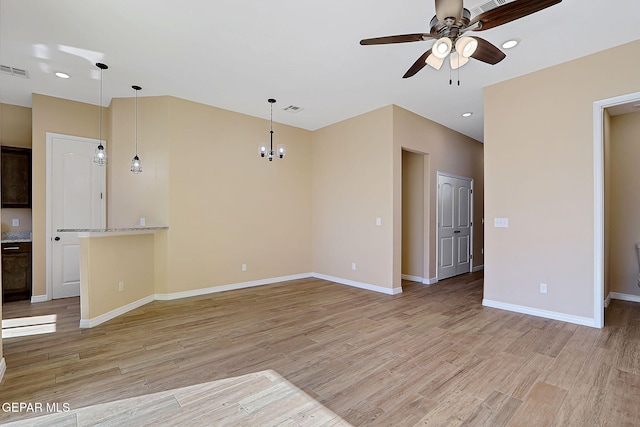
49	202
598	181
465	178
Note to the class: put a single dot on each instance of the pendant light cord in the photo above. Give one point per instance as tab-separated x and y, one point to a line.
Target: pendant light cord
271	129
100	109
136	123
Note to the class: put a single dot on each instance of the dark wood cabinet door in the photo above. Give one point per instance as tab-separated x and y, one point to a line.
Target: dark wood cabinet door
16	271
15	166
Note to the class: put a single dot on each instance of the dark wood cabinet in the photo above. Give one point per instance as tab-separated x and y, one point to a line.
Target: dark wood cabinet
16	271
15	168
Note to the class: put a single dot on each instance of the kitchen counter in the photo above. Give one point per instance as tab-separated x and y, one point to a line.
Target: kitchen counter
16	237
105	232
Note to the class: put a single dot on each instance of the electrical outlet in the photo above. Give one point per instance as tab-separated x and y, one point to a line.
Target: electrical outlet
378	221
543	288
15	222
244	267
121	286
143	222
353	266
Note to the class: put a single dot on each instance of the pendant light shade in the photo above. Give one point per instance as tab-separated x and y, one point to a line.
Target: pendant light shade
456	60
100	156
434	61
466	46
136	164
442	47
268	152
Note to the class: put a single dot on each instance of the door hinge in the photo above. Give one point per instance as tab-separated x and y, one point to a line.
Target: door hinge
471	191
100	195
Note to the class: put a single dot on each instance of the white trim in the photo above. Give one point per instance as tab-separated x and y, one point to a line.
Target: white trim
477	268
431	281
3	368
598	186
360	285
39	298
412	278
608	300
234	286
578	320
49	202
624	297
90	323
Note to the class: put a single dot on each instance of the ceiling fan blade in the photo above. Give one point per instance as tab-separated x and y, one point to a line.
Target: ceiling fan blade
448	9
418	65
510	12
403	38
486	52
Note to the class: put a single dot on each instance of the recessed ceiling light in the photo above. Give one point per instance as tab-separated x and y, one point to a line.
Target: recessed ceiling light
509	44
62	75
467	114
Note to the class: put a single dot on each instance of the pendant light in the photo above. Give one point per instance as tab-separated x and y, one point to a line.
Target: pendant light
136	164
100	156
262	148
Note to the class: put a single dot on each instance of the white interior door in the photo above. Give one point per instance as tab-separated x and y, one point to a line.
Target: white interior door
454	225
77	201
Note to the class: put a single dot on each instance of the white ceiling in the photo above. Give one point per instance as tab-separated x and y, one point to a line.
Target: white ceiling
236	54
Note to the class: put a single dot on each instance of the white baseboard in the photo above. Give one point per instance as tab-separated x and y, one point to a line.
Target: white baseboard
585	321
360	285
607	301
477	268
624	297
431	281
3	368
231	287
412	278
90	323
39	298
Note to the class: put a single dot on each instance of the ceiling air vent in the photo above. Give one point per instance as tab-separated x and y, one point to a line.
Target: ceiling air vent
17	72
487	6
293	109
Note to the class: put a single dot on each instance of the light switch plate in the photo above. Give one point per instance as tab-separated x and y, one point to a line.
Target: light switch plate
501	222
378	221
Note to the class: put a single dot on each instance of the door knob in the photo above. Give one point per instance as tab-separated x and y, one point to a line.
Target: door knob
57	238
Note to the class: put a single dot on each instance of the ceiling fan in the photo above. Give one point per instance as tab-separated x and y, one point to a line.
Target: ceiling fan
450	24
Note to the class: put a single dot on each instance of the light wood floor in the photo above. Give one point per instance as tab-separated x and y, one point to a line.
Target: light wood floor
429	356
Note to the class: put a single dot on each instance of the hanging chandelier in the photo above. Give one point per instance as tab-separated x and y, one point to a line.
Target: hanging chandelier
100	156
262	147
136	164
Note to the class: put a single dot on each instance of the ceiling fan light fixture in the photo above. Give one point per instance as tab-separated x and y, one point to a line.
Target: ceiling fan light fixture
456	60
466	46
442	47
434	61
448	9
510	44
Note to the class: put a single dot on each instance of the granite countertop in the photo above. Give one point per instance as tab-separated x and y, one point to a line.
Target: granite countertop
16	237
108	230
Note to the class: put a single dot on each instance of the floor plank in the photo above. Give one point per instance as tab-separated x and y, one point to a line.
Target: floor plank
432	355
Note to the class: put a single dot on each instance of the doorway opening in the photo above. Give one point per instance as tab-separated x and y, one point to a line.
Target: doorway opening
601	122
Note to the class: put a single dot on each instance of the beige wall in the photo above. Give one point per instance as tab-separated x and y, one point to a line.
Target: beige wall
413	218
145	195
352	186
228	206
15	122
540	174
133	259
625	203
448	152
58	116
